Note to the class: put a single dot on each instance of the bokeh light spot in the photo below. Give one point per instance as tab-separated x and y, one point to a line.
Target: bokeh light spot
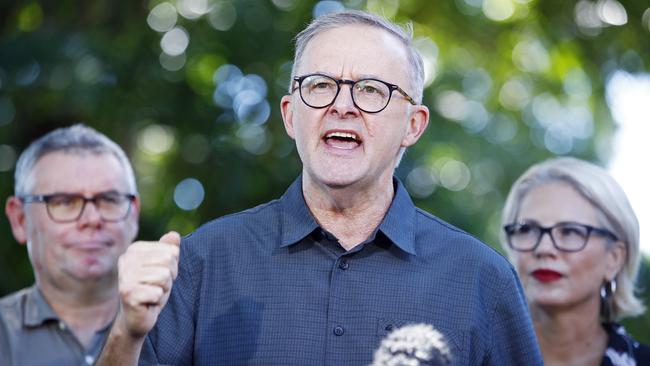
192	9
531	56
327	7
515	93
30	17
189	194
222	16
612	12
477	84
645	19
557	140
587	18
88	70
476	117
244	94
451	105
498	10
7	158
501	130
175	41
285	5
454	175
172	63
255	139
156	139
577	84
162	17
421	182
255	114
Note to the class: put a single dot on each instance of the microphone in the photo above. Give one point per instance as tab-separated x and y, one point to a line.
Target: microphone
413	345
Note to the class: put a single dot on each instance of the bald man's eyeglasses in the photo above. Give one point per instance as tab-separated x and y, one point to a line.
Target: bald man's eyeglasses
369	95
68	207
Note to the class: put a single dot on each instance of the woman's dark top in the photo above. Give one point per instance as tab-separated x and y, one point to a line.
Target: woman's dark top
622	349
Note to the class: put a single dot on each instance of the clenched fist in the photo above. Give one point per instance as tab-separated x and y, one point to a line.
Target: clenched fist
146	273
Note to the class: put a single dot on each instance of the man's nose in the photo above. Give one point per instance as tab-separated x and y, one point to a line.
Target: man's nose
90	214
343	103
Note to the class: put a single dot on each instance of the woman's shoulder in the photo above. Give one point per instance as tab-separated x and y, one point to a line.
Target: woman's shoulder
622	349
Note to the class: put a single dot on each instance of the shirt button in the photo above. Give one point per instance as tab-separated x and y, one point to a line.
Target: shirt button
61	325
338	330
89	359
343	264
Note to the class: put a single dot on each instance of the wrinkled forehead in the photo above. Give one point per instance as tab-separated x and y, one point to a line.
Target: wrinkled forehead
356	51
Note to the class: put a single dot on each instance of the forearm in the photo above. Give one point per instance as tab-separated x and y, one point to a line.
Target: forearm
121	348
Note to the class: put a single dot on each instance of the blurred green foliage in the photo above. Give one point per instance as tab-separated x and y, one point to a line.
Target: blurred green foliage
510	84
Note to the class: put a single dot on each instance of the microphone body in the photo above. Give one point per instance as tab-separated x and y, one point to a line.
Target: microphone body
413	345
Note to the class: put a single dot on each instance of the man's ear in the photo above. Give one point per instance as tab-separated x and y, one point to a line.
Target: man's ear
417	123
15	211
286	108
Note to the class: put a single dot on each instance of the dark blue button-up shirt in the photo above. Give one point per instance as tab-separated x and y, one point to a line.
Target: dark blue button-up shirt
268	286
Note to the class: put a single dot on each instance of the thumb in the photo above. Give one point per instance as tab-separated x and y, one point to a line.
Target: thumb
171	237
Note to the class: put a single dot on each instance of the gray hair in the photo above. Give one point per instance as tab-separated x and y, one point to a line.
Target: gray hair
599	188
77	139
356	17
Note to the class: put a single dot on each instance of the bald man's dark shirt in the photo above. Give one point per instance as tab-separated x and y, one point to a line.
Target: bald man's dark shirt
268	286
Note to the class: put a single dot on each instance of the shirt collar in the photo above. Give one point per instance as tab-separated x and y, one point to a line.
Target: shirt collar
37	310
398	224
297	221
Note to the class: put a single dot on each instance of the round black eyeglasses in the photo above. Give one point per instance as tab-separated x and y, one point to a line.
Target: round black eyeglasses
369	95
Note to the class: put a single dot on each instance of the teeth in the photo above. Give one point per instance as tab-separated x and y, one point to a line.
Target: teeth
345	135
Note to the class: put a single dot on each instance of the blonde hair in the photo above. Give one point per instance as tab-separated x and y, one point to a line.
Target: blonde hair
599	188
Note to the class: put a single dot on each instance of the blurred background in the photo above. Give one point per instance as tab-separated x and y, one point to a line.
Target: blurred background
191	89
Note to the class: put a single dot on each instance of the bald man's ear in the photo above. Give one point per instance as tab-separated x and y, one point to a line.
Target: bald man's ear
286	108
417	124
15	211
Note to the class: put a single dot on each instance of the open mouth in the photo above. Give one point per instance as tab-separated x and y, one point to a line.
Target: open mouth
342	140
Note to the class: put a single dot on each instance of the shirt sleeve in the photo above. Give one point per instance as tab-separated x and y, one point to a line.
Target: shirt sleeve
171	341
512	336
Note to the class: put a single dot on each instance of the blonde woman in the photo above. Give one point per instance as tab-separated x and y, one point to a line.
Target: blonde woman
574	239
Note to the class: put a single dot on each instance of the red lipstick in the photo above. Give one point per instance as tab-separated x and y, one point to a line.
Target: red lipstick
546	275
